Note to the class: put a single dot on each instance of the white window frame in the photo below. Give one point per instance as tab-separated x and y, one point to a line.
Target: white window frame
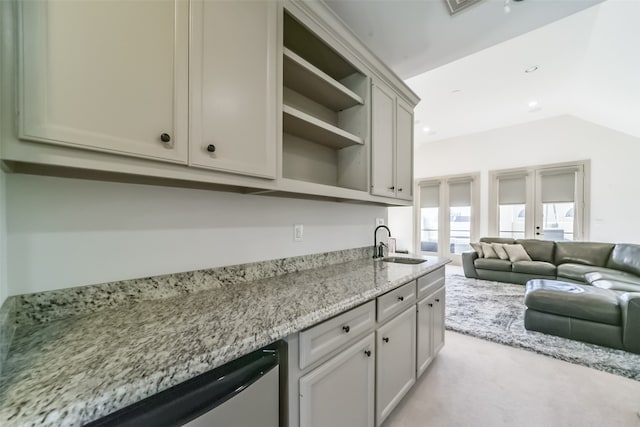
532	173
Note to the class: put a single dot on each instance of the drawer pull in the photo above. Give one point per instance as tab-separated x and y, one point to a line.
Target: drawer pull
437	300
368	353
385	339
430	305
401	298
346	329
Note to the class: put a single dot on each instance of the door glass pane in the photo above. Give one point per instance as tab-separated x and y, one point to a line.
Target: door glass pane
460	229
429	230
511	219
557	221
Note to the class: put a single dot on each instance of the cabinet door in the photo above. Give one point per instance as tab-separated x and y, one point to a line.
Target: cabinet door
340	392
404	150
233	86
425	333
106	75
396	362
382	142
438	320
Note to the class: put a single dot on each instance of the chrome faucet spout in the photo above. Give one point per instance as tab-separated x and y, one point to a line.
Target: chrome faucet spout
379	252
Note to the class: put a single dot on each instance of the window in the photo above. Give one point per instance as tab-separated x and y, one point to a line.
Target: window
446	220
541	202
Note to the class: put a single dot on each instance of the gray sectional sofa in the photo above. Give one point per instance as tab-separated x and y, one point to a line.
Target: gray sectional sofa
586	291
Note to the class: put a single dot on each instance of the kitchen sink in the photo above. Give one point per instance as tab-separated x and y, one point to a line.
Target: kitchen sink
402	260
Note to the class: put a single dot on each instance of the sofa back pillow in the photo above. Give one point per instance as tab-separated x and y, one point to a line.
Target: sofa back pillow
497	240
488	250
517	253
499	249
587	253
539	250
625	257
478	248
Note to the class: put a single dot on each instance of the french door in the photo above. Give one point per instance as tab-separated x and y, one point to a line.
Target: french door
544	203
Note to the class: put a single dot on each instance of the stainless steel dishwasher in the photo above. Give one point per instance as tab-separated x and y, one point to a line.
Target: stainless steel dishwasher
242	393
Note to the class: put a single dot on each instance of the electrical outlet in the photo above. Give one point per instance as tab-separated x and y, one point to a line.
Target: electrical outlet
298	231
379	221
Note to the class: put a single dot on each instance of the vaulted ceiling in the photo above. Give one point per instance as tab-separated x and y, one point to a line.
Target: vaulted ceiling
586	64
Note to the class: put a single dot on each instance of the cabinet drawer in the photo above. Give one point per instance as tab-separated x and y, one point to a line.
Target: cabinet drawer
394	301
320	340
430	282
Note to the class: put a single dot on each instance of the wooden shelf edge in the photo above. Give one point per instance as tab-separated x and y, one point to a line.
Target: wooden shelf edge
351	98
308	127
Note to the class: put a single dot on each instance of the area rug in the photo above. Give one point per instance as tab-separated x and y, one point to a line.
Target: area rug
495	311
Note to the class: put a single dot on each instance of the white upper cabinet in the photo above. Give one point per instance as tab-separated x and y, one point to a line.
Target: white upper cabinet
233	86
382	137
105	75
392	144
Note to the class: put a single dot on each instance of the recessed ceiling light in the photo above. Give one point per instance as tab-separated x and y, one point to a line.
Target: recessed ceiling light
531	69
533	104
426	129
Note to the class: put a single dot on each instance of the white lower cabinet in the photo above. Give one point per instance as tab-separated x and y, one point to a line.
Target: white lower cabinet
341	391
396	362
430	328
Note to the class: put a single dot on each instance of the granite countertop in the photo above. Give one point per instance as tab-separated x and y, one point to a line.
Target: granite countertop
68	372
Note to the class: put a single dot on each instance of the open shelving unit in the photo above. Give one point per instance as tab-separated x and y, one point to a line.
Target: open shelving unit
325	112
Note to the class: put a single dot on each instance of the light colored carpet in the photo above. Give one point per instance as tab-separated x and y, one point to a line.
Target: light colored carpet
477	383
495	311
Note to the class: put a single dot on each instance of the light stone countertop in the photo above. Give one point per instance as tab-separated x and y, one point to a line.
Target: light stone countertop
71	371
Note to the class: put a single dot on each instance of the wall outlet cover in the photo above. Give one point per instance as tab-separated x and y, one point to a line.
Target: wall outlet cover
379	221
298	232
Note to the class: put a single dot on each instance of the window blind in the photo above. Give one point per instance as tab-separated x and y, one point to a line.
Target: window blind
430	195
512	190
460	193
558	187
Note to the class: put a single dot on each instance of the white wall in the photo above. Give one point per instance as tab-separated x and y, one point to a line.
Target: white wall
401	225
64	232
615	166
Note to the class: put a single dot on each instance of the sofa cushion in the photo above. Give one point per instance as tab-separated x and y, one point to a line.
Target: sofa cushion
493	264
617	276
616	286
534	267
539	250
572	300
578	271
587	253
625	257
478	248
517	253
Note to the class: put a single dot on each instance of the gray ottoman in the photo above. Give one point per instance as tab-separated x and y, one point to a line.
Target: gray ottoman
580	312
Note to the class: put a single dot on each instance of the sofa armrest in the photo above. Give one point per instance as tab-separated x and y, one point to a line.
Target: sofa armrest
467	264
630	305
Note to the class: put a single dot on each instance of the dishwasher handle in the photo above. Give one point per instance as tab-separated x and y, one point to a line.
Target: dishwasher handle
192	398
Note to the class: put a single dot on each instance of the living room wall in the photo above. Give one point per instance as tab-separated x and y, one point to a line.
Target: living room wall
615	171
69	232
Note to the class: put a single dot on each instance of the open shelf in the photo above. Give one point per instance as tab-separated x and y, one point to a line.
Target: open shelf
308	80
303	125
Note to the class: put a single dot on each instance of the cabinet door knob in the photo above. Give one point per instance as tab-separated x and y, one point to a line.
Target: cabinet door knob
393	187
385	339
346	328
401	298
211	148
430	305
165	137
437	300
399	189
368	353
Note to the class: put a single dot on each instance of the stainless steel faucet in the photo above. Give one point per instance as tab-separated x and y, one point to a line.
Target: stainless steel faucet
378	251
